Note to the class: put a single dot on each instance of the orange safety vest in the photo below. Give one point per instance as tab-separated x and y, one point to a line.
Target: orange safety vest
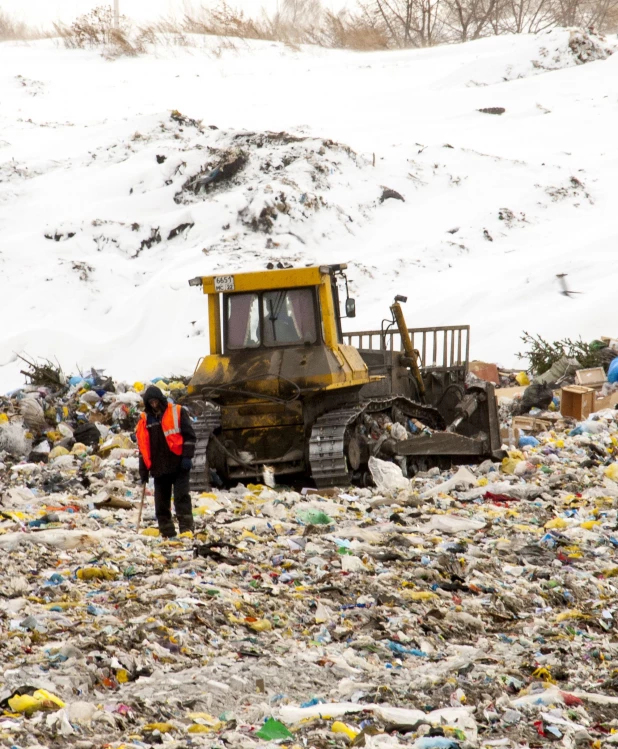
170	423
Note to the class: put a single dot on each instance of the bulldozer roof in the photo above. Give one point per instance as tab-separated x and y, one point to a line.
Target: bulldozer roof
285	278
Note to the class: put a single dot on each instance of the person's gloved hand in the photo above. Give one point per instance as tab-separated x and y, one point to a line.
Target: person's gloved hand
144	478
186	464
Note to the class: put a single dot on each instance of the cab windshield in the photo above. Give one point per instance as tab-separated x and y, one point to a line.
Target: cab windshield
285	317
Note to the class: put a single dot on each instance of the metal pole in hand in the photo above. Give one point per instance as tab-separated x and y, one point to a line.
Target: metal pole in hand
141	508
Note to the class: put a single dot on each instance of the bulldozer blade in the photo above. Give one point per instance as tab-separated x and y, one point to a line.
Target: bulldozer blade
443	443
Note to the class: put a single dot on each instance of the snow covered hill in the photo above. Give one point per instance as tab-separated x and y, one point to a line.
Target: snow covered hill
103	217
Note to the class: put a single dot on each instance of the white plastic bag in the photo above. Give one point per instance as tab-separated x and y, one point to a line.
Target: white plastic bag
452	524
463	479
387	476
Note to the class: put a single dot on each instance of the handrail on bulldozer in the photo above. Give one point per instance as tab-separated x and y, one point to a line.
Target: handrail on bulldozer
440	348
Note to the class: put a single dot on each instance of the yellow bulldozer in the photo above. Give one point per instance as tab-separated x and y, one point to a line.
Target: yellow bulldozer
285	389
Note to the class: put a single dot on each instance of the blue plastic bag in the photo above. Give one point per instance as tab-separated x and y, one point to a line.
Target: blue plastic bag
612	372
528	441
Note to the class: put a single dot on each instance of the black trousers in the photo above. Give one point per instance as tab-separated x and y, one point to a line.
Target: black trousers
163	486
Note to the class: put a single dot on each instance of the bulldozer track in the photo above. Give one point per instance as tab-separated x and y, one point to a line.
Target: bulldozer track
329	465
205	423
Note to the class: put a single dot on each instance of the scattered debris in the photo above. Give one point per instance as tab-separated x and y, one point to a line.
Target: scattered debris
387	193
180	229
310	615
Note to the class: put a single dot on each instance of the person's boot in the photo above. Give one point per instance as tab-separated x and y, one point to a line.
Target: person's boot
185	523
167	529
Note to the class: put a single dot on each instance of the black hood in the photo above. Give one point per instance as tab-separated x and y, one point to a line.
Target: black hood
153	392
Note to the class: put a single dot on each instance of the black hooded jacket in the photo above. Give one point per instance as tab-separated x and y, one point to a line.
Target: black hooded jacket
164	461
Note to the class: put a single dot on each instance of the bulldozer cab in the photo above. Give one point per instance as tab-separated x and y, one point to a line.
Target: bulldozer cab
280	317
277	332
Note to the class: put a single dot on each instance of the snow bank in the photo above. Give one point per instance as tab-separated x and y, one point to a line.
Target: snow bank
110	199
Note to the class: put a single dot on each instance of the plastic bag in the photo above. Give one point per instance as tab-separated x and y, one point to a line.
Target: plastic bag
452	524
315	517
461	480
32	413
612	471
528	441
273	730
388	477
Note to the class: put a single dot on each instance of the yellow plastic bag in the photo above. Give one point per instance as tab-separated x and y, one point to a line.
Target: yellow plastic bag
117	441
556	524
80	450
154	532
571	614
262	625
3	418
205	718
339	727
612	471
96	573
160	727
40	700
57	452
510	463
23	704
522	379
419	595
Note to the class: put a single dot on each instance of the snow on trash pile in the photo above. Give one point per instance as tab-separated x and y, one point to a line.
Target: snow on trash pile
471	607
544	52
225	189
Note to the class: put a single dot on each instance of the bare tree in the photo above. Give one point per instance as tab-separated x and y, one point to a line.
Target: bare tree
305	13
600	14
408	23
528	16
472	19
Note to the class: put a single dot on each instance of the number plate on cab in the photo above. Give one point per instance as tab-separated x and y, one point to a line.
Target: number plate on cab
224	283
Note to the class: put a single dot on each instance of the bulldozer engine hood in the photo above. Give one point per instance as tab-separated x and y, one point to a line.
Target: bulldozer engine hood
154	393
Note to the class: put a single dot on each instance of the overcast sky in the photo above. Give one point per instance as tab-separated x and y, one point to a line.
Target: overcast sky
41	12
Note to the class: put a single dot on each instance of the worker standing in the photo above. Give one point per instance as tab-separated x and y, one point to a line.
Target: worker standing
166	442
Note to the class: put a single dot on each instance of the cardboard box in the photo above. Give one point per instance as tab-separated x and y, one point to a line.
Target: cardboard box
577	401
591	378
509	392
485	371
609	401
510	436
532	424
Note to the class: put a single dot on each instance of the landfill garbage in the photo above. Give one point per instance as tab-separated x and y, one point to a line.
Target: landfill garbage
522	378
469	607
537	395
564	367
